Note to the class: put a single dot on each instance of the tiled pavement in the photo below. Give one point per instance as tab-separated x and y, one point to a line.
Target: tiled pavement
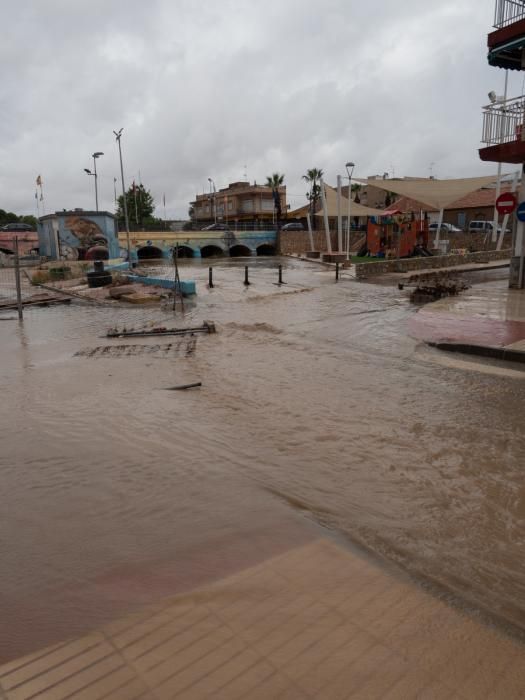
315	622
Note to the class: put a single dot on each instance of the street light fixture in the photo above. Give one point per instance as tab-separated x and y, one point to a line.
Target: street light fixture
88	171
96	155
350	171
118	134
213	198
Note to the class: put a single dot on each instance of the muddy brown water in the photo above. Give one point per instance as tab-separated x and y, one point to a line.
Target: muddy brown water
316	407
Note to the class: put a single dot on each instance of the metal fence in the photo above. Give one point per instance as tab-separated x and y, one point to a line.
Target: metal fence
507	12
14	284
504	122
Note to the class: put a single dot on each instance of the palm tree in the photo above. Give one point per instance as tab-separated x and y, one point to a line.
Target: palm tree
275	181
313	176
356	188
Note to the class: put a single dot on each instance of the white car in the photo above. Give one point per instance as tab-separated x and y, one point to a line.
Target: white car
445	228
483	227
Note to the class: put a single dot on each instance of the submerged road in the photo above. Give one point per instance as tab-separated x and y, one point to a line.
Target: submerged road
317	406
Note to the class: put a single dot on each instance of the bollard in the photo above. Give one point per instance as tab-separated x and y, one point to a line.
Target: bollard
246	281
210	278
280	274
337	272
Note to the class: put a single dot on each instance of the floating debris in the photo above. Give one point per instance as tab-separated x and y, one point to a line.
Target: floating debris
207	327
432	288
184	386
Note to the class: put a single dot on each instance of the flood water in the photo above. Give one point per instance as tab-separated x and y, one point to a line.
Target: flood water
316	407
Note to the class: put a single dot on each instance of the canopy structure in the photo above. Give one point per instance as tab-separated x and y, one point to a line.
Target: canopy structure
357	209
437	194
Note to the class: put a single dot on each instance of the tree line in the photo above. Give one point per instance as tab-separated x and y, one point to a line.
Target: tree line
8	217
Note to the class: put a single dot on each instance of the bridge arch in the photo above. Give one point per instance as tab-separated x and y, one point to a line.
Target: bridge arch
240	251
149	252
183	251
266	249
211	251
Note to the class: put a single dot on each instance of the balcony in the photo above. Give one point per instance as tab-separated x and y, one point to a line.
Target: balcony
504	132
507	12
506	44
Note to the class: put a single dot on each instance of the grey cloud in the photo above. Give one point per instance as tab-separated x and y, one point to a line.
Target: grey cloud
203	89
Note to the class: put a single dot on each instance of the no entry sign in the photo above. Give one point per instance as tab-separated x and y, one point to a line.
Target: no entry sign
506	203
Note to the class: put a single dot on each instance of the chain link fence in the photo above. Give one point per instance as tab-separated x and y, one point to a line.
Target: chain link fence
15	285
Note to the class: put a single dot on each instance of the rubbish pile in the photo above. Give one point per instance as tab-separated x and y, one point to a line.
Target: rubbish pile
432	288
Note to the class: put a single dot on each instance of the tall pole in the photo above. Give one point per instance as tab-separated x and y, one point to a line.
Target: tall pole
96	188
519	251
504	225
117	136
498	185
310	234
339	216
325	216
115	189
17	280
349	171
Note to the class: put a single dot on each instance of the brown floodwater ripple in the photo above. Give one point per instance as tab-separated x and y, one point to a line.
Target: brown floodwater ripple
315	402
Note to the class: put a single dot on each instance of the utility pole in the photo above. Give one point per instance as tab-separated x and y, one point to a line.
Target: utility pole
17	280
118	134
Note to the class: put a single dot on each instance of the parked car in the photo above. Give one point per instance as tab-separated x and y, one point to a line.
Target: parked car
215	227
17	227
483	227
293	226
445	228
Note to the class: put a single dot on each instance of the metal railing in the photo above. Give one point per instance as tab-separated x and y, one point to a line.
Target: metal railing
504	122
507	12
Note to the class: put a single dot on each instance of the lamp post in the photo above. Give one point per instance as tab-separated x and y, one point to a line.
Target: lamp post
88	171
96	155
118	134
350	171
212	200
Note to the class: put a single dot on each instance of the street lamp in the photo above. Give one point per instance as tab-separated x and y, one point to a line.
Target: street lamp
118	134
88	171
350	171
94	173
213	199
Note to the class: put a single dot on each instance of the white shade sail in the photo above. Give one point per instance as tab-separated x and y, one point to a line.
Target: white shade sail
438	194
356	208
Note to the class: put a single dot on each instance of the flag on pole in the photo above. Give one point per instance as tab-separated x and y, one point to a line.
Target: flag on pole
164	199
36	194
39	181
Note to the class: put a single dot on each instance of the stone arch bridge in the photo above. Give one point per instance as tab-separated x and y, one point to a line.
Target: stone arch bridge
149	245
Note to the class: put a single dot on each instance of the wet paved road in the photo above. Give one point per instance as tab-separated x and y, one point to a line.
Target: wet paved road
316	403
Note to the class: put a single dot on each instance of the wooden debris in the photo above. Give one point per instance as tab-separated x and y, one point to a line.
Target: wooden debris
40	300
207	327
184	386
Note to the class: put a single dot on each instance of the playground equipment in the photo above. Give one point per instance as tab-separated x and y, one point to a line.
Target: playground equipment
397	235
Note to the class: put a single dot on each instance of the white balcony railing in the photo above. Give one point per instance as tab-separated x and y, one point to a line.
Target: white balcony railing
507	12
504	122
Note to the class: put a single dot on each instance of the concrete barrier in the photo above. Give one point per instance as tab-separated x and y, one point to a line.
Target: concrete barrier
379	267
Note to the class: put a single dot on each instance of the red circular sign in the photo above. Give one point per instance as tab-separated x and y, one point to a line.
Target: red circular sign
506	203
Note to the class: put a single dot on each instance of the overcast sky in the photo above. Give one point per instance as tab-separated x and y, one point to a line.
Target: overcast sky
219	89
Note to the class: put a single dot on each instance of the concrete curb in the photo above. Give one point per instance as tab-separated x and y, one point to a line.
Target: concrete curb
497	353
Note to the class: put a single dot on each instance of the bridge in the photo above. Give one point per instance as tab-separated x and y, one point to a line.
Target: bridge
149	245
